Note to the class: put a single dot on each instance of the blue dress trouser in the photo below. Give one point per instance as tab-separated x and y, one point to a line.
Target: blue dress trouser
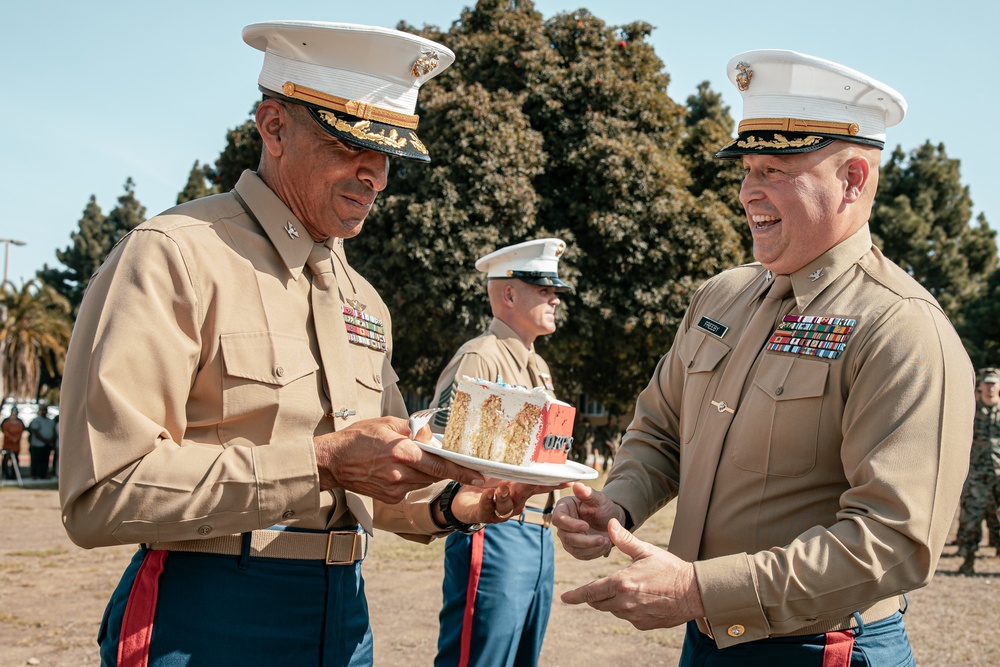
880	644
229	610
513	599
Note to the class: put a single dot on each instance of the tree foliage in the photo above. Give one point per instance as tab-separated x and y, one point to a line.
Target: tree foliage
980	327
563	127
709	128
96	235
560	127
34	331
242	151
921	220
197	185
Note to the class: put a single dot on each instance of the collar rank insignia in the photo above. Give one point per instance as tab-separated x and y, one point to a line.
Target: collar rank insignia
816	275
717	329
290	229
364	329
824	337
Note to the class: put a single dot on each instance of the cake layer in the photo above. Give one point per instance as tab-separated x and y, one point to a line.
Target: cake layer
513	425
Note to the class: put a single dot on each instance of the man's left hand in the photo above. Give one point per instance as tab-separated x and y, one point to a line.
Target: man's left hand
495	502
658	590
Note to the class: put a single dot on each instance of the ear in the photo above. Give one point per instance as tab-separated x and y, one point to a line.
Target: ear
272	122
509	295
858	171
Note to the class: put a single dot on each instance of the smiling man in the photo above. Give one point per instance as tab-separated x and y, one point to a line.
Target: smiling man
812	417
229	402
498	581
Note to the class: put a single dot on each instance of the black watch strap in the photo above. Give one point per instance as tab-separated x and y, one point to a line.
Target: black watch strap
444	504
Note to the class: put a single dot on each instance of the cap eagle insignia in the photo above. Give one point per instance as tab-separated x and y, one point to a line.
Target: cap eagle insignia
425	64
743	75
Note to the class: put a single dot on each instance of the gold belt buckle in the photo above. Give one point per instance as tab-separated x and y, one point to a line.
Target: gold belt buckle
329	547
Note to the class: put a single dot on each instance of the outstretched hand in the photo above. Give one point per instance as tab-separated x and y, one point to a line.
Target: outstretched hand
495	502
658	590
582	520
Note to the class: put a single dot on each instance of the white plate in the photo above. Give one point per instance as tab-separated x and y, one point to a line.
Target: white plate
549	474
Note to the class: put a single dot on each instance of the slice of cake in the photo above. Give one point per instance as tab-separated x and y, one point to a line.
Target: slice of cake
506	424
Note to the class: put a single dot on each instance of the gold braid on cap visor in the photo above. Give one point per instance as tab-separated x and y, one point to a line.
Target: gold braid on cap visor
780	141
353	107
798	125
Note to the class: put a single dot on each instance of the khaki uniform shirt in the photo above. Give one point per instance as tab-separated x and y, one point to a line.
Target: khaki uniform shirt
193	383
498	352
839	478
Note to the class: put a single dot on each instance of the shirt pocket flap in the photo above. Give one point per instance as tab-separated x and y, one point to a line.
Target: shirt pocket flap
377	373
267	357
701	353
787	378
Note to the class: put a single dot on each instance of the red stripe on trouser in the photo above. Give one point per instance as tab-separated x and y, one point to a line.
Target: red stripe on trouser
475	570
137	624
837	652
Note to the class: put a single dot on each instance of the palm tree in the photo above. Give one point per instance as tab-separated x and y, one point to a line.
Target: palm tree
35	325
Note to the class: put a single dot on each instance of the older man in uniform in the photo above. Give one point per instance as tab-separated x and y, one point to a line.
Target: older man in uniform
498	581
229	402
981	495
812	416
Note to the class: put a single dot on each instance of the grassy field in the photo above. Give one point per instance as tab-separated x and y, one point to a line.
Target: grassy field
52	596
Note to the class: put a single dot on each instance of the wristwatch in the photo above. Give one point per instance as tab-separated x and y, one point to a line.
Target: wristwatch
444	504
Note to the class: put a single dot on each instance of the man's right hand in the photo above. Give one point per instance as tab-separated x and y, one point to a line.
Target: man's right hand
377	458
582	522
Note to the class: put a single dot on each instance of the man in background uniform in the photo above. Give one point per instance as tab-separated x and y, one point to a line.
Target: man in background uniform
981	495
498	581
12	429
43	435
813	416
228	401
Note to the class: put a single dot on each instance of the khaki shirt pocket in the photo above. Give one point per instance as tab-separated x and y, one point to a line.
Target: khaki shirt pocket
777	429
699	355
263	372
374	374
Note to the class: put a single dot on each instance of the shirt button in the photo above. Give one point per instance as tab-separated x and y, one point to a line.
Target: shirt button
736	630
204	530
279	371
288	514
779	391
378	378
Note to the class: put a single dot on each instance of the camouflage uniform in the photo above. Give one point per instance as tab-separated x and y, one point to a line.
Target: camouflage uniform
981	495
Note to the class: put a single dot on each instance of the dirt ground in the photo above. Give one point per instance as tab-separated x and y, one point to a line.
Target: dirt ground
52	596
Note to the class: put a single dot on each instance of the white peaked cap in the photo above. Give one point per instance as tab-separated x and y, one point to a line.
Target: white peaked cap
360	82
535	262
795	103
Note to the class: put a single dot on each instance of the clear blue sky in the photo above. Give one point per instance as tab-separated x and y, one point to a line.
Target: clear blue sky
96	92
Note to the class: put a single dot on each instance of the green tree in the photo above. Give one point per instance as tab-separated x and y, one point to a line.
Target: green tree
197	185
560	127
980	328
91	243
34	331
921	220
709	128
242	151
